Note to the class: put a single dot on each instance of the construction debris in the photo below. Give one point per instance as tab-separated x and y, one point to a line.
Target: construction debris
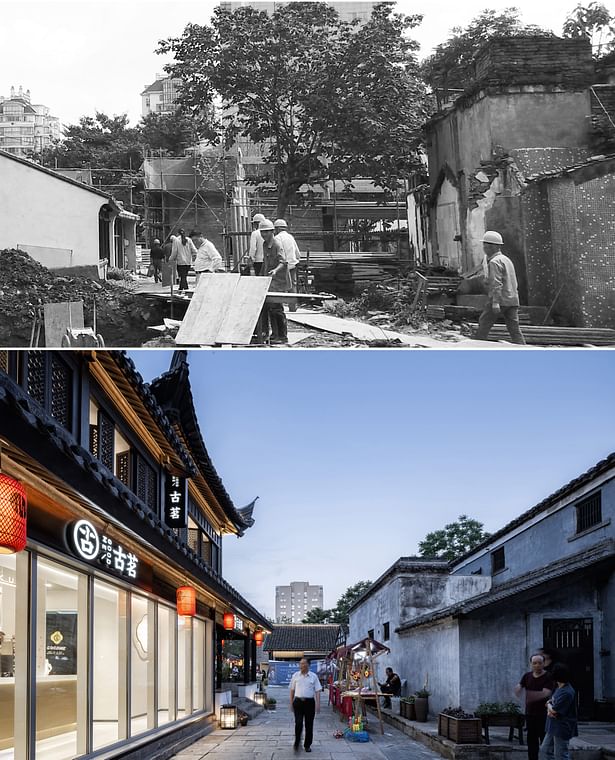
543	335
26	286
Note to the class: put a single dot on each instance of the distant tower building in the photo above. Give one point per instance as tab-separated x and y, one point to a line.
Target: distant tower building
293	602
160	96
348	10
26	127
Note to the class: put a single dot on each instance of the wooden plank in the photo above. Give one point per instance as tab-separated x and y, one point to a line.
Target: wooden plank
58	318
207	310
297	337
243	311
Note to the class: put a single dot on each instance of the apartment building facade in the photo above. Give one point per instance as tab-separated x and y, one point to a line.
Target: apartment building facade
26	127
293	602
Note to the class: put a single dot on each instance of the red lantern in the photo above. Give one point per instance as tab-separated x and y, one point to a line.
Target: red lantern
258	637
13	510
186	601
228	621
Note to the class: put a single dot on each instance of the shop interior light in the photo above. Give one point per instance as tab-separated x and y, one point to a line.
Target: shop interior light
228	621
228	716
258	637
13	513
186	601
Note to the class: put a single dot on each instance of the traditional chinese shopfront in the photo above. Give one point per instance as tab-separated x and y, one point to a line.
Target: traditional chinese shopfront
94	658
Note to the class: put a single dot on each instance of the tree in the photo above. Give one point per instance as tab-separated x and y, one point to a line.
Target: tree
595	23
172	133
317	615
454	540
452	67
339	614
327	98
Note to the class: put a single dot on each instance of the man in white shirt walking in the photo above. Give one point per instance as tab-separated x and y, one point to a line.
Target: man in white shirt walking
291	254
255	252
305	691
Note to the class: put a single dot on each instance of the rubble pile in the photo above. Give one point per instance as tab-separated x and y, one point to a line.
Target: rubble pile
25	286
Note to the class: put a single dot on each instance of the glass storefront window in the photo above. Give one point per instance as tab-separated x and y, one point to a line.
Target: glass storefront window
8	628
198	664
61	677
167	628
184	666
142	664
109	665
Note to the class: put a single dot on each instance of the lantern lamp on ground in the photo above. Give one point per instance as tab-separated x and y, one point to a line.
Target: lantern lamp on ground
186	601
13	509
228	621
260	697
228	716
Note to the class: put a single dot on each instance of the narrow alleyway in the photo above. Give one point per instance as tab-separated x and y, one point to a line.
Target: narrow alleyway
270	736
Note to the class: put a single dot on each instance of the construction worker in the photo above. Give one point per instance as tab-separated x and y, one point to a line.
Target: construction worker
184	253
255	251
156	257
276	267
208	258
291	253
503	291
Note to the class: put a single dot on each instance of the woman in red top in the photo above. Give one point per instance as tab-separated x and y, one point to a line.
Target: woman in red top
538	686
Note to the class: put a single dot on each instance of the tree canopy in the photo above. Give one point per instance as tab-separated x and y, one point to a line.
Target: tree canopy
317	615
454	540
594	22
339	613
451	65
327	98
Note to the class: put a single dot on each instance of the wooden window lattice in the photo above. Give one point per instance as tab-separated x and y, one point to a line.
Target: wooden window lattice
4	362
147	483
36	376
61	392
106	440
122	467
94	448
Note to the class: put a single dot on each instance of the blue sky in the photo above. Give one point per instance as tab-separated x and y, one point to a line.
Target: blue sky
356	455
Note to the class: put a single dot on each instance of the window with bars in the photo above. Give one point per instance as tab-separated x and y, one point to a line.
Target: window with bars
498	560
49	381
589	512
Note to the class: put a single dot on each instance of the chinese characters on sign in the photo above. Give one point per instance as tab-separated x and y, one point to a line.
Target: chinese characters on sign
175	506
91	546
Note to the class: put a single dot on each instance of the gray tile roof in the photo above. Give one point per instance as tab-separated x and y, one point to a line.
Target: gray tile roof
303	638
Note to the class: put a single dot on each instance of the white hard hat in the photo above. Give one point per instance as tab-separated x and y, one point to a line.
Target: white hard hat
257	218
266	224
280	223
493	237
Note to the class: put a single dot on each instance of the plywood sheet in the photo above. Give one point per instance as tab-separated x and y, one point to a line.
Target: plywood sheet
243	311
207	310
58	318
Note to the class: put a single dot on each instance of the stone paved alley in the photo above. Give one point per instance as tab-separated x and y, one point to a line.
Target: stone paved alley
270	737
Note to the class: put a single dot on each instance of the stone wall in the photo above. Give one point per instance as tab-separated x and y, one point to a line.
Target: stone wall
535	60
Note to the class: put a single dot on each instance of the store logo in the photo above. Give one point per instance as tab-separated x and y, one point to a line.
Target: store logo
57	637
91	546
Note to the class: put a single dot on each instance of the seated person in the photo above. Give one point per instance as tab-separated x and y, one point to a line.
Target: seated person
391	686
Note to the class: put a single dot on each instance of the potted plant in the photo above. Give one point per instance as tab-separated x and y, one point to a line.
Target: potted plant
421	704
456	724
501	714
406	708
271	703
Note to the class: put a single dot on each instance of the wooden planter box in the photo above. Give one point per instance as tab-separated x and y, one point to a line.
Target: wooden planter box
460	730
507	720
406	710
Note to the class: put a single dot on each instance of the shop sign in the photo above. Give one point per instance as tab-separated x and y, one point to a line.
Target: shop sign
238	624
93	546
175	503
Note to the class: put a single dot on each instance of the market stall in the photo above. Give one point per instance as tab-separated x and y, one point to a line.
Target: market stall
356	683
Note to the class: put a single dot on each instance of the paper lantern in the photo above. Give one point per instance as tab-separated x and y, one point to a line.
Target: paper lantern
228	621
13	510
228	716
258	637
186	601
260	697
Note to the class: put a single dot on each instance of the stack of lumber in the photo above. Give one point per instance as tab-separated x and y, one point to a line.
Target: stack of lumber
541	335
527	314
347	274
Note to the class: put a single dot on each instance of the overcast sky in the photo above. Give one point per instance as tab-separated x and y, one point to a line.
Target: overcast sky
356	455
79	56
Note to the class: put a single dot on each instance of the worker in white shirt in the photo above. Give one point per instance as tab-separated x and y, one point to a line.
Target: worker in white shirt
255	251
184	253
208	259
291	254
305	691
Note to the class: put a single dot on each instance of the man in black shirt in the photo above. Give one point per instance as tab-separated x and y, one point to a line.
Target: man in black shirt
391	686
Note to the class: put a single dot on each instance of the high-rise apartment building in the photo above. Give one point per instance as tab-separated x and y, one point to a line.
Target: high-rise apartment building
347	9
26	127
293	602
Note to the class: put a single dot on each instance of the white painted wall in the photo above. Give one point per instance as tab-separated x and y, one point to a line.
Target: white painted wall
55	221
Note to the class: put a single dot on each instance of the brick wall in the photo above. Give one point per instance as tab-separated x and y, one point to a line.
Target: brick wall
509	61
